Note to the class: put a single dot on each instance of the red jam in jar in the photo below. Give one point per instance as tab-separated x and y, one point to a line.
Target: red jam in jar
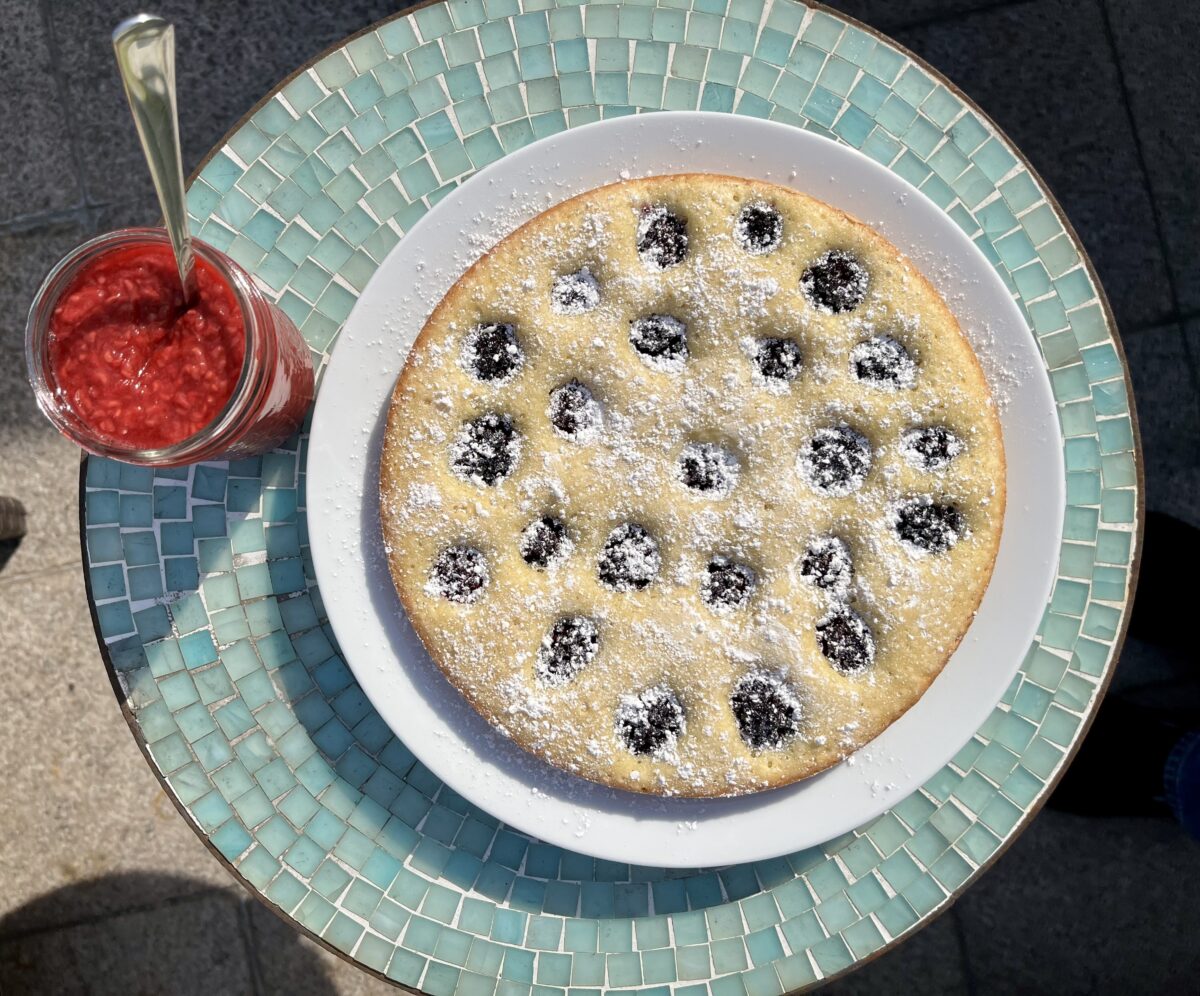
121	365
137	366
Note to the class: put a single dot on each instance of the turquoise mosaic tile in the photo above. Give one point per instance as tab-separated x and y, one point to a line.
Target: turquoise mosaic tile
212	620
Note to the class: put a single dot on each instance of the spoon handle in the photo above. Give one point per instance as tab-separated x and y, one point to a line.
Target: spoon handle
145	49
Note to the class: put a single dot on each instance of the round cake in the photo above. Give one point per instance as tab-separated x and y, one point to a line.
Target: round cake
691	485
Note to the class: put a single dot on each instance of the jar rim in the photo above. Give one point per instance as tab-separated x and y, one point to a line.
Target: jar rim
37	330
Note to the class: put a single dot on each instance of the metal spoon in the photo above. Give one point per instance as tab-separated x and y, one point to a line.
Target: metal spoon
145	48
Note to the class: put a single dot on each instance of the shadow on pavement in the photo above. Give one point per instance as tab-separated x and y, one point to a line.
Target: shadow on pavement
89	938
7	548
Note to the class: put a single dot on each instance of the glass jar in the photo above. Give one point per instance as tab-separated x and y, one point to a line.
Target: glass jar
268	403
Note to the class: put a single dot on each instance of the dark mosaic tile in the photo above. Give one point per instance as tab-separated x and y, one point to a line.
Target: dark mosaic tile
1168	405
1156	45
933	955
37	173
1082	905
189	947
229	55
1063	109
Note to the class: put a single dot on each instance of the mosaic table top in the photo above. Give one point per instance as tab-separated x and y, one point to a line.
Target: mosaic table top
211	621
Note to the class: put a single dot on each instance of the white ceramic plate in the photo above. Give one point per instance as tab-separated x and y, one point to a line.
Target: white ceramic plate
430	716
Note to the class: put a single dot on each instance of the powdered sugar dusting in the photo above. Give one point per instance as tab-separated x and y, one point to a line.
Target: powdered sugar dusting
697	389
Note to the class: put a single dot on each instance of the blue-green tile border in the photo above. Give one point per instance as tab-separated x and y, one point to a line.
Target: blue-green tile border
221	681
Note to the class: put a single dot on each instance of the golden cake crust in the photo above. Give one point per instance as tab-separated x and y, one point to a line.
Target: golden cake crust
917	606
